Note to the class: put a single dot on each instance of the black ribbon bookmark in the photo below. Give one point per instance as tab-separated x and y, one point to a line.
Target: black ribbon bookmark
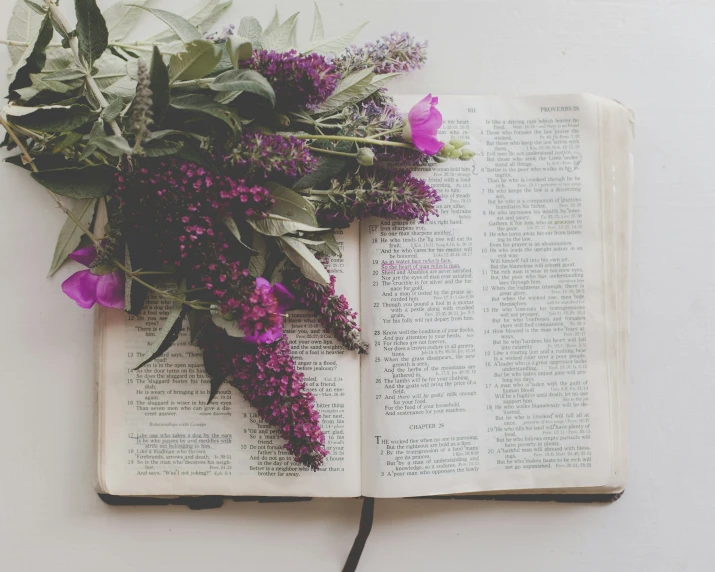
366	516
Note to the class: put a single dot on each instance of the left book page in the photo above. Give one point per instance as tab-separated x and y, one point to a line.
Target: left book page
158	437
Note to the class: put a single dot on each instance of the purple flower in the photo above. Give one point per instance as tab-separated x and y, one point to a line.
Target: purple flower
262	154
263	315
87	288
423	123
266	376
300	81
333	312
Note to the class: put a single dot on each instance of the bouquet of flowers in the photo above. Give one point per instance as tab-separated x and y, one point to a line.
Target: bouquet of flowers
224	162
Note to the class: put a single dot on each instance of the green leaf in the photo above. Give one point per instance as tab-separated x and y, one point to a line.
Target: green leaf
244	80
333	46
300	255
318	32
347	89
162	148
216	383
114	145
91	30
23	28
169	332
184	29
78	182
125	88
251	29
239	49
328	168
71	235
135	294
198	60
110	70
230	326
203	104
277	274
39	8
257	263
69	140
33	58
276	225
291	205
51	118
280	38
159	83
121	18
205	19
233	229
330	246
96	133
113	110
192	315
273	24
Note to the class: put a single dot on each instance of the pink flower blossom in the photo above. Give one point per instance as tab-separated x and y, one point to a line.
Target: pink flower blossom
87	288
423	123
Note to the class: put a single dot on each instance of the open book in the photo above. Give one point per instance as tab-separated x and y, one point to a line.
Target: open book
498	337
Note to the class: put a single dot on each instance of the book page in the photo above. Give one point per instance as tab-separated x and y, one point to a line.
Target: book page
488	367
158	436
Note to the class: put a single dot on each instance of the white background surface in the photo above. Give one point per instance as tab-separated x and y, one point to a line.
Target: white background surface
655	56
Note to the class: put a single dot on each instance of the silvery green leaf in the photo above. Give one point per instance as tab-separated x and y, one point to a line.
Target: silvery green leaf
162	148
280	38
233	229
113	110
78	182
333	46
96	133
24	28
251	29
58	59
230	326
122	17
198	60
52	118
226	97
330	246
71	235
274	23
159	84
36	46
64	75
244	80
377	82
277	274
184	29
91	30
239	49
300	255
110	69
201	103
114	145
42	82
291	205
318	33
347	89
202	16
276	225
169	332
39	8
257	263
124	88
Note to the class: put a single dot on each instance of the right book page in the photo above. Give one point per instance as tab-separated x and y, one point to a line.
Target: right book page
498	329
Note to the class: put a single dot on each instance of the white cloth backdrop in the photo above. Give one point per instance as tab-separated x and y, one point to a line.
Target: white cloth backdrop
655	56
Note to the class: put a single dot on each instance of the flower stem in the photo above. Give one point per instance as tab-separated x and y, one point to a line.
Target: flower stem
331	152
364	140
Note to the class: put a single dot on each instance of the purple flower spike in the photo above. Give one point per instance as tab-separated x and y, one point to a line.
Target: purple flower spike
88	289
423	123
264	315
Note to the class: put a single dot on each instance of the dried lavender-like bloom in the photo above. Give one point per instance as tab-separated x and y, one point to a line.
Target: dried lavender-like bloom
221	37
266	376
263	154
300	81
334	312
394	53
386	194
142	115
